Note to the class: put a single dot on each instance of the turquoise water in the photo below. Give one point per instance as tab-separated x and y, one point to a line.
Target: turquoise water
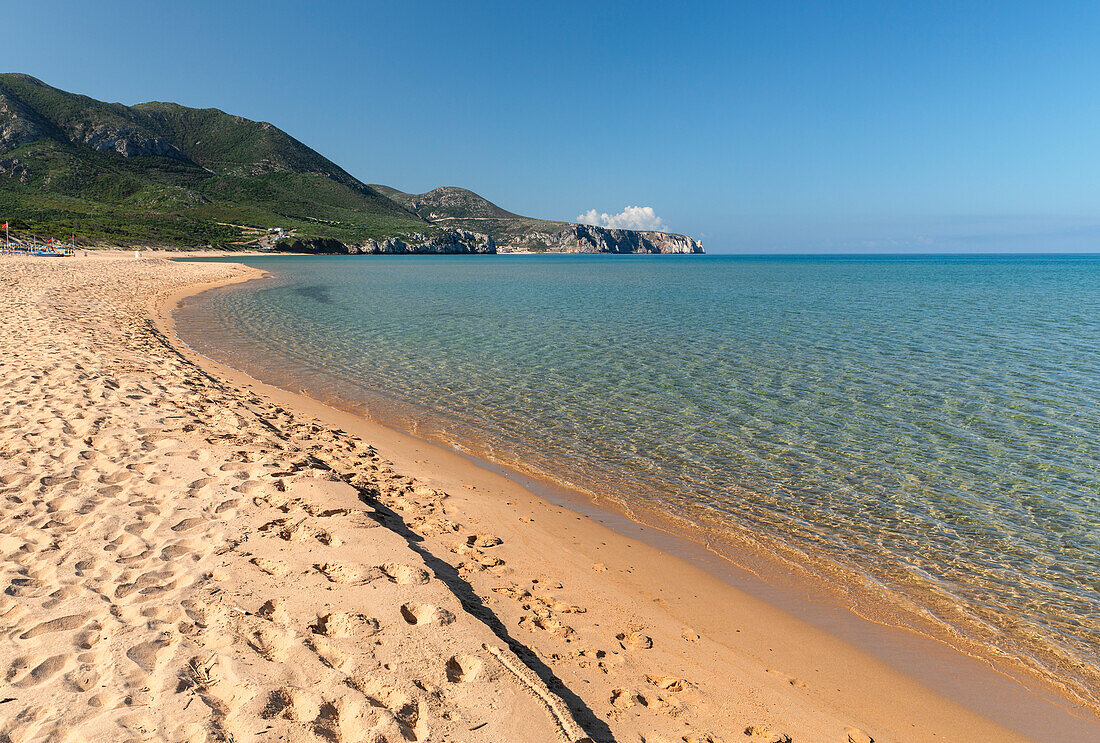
923	432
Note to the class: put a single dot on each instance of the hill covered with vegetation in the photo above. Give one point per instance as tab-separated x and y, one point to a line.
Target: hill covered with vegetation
164	174
160	173
462	208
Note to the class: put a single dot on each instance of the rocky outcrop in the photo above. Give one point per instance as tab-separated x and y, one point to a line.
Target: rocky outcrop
19	124
12	168
442	241
578	238
315	245
583	238
461	208
124	140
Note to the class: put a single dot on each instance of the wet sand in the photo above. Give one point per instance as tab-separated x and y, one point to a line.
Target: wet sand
192	555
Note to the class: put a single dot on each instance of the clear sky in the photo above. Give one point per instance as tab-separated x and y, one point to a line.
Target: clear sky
756	126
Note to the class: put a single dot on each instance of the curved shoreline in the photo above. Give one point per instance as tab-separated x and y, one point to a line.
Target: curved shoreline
948	673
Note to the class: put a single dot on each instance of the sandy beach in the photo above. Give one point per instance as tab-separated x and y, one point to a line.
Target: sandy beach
191	555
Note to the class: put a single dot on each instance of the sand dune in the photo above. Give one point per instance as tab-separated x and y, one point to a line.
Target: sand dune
186	559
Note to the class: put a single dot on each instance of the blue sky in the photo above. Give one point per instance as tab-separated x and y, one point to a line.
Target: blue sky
759	127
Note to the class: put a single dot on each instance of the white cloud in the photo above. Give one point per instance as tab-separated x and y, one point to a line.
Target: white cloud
630	218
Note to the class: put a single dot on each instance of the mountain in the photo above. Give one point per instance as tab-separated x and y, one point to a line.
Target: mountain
164	174
451	206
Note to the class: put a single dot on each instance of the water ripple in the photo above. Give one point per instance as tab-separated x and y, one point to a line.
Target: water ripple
929	425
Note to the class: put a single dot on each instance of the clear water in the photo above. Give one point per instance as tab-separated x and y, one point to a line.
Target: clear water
925	432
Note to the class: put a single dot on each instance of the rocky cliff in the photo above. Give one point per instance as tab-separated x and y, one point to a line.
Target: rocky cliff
453	241
452	206
583	238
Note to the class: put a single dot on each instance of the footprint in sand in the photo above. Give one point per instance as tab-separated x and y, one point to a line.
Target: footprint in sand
274	567
253	487
26	588
430	525
479	561
343	719
145	654
345	624
338	572
761	734
624	698
329	654
660	705
271	642
71	622
214	680
797	683
483	541
173	552
205	614
90	637
227	506
668	683
634	641
855	735
201	483
44	671
404	574
407	711
188	524
463	668
292	704
83	678
296	531
564	608
115	478
325	513
275	610
21	665
513	591
146	584
419	614
543	621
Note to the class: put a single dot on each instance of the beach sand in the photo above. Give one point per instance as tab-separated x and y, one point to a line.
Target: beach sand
190	555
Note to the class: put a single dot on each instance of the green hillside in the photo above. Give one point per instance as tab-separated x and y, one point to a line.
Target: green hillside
164	174
160	173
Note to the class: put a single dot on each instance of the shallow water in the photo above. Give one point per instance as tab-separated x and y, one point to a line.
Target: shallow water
926	431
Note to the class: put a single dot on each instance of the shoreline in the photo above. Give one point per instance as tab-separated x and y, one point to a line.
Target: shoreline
184	562
944	672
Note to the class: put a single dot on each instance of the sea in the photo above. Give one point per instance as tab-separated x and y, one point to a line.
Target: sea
920	433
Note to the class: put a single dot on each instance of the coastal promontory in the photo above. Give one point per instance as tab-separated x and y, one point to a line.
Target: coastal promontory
162	174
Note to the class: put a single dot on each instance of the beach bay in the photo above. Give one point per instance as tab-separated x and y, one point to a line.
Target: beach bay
192	550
